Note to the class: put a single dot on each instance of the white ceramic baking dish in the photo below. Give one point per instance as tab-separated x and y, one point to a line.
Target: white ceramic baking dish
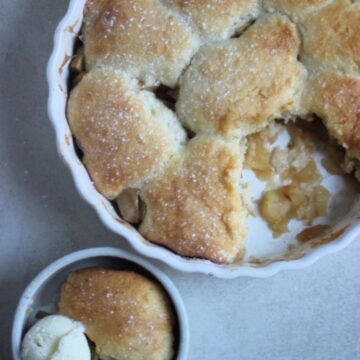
41	293
265	255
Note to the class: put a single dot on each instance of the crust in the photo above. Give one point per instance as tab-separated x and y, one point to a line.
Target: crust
237	86
125	134
335	98
141	37
127	315
194	206
295	9
331	37
219	19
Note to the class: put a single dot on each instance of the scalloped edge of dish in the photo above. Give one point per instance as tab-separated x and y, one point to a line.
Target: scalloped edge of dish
56	76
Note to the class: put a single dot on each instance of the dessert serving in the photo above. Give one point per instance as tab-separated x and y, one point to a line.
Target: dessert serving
123	314
214	127
100	303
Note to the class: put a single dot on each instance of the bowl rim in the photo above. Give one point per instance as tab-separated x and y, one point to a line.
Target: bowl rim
31	289
57	114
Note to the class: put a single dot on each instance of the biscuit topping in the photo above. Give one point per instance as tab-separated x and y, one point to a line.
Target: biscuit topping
177	91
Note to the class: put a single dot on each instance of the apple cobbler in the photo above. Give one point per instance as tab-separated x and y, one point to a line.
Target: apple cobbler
171	100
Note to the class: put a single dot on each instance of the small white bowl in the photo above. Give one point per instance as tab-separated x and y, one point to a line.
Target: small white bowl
265	254
42	293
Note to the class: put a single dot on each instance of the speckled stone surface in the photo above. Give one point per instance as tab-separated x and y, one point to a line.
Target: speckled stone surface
309	314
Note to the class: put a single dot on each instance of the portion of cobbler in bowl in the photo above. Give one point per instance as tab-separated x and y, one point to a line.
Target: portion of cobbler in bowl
222	129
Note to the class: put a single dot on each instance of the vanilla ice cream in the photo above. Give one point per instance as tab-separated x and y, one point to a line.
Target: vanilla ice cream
56	337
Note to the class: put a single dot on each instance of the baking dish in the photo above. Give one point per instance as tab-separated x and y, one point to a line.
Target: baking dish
265	255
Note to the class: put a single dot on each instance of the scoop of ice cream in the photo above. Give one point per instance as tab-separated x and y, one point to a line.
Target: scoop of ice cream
55	337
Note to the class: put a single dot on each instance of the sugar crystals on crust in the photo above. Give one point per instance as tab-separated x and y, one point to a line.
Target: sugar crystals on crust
331	37
295	9
194	207
217	19
142	37
125	133
127	315
237	86
335	99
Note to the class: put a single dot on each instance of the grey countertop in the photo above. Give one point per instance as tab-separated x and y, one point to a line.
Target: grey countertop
308	314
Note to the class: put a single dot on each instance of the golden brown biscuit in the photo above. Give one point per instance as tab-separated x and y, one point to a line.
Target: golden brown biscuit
126	315
239	85
335	98
217	19
296	9
194	206
142	37
125	134
331	37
